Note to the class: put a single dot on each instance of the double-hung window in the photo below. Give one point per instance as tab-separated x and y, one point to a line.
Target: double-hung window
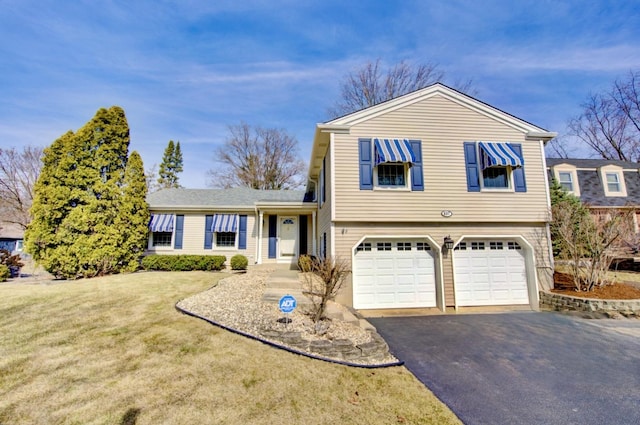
565	178
613	180
166	231
390	164
497	166
225	231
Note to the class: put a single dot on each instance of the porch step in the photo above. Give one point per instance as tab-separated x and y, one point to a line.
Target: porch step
284	282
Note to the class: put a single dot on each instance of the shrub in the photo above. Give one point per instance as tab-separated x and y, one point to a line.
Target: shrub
323	284
307	263
4	273
183	262
239	262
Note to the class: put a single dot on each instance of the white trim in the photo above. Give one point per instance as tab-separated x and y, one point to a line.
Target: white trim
618	171
530	265
567	168
260	235
332	175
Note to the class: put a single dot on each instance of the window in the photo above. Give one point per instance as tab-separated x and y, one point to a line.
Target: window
383	246
495	178
513	245
495	245
423	246
225	239
390	164
477	246
613	182
404	246
565	178
391	175
19	245
160	239
365	246
494	166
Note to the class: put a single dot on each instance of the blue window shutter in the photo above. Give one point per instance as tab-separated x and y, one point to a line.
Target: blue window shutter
519	182
473	168
242	232
273	234
208	234
366	164
417	178
177	243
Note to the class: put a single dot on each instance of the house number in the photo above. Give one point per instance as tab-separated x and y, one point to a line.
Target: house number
446	213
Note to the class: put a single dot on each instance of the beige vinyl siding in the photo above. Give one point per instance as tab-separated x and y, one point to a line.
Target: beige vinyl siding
324	211
349	234
442	125
193	238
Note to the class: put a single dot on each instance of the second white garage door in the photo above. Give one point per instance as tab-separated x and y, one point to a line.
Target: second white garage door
490	273
394	274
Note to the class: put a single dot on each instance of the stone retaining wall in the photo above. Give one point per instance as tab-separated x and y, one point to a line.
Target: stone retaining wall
375	350
561	302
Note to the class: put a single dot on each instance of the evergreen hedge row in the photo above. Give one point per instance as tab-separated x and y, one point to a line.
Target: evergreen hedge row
183	262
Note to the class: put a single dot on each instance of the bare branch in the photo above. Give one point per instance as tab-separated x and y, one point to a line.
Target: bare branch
19	172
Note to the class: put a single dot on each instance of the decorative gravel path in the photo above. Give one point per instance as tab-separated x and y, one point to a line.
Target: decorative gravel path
236	303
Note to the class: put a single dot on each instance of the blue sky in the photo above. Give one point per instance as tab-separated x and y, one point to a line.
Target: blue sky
185	70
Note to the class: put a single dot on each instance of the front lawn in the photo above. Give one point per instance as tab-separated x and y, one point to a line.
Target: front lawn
114	350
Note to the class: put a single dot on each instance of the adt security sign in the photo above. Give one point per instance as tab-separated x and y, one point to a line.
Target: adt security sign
287	304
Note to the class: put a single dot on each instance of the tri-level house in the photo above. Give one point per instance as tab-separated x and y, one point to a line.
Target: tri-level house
435	199
602	185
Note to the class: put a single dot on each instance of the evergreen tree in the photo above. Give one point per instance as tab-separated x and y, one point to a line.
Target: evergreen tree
134	215
80	203
171	165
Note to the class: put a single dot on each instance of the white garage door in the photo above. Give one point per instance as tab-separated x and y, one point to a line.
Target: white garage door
490	273
394	274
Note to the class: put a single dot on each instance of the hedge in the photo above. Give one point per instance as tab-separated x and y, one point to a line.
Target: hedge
4	273
183	262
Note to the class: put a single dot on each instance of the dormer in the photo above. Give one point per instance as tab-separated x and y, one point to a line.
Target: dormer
567	176
612	178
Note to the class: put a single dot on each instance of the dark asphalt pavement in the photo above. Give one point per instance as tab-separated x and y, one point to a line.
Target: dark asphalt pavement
524	368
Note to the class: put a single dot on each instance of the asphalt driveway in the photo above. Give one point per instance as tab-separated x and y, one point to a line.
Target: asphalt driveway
524	368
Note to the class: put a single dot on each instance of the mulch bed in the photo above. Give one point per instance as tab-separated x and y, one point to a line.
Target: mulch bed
563	284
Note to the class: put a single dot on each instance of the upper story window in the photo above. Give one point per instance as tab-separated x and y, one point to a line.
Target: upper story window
390	164
494	166
567	177
613	181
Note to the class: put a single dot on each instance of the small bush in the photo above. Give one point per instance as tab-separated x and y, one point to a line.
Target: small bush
306	263
183	262
239	262
4	273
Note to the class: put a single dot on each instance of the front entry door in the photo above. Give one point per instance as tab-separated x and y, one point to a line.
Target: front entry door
288	234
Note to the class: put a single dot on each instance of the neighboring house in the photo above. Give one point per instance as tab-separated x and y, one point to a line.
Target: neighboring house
11	237
602	185
394	184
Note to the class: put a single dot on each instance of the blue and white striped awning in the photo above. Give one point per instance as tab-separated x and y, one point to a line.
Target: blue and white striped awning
496	154
224	223
161	223
393	150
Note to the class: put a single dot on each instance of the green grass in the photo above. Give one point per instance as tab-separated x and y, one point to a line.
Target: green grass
114	350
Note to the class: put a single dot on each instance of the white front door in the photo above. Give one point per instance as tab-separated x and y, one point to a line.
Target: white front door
288	236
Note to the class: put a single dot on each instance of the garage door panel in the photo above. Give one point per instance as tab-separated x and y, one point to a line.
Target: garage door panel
398	276
490	276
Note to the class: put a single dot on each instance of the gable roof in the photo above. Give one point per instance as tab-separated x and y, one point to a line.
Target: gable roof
344	123
591	185
239	197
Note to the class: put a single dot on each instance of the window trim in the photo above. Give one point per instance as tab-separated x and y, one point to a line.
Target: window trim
612	169
407	178
508	188
566	168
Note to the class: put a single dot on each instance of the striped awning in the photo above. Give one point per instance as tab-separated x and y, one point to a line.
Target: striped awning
224	223
496	154
161	223
393	150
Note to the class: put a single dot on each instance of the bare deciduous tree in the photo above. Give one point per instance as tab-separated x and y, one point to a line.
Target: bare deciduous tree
370	85
323	279
151	176
19	171
259	158
610	121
